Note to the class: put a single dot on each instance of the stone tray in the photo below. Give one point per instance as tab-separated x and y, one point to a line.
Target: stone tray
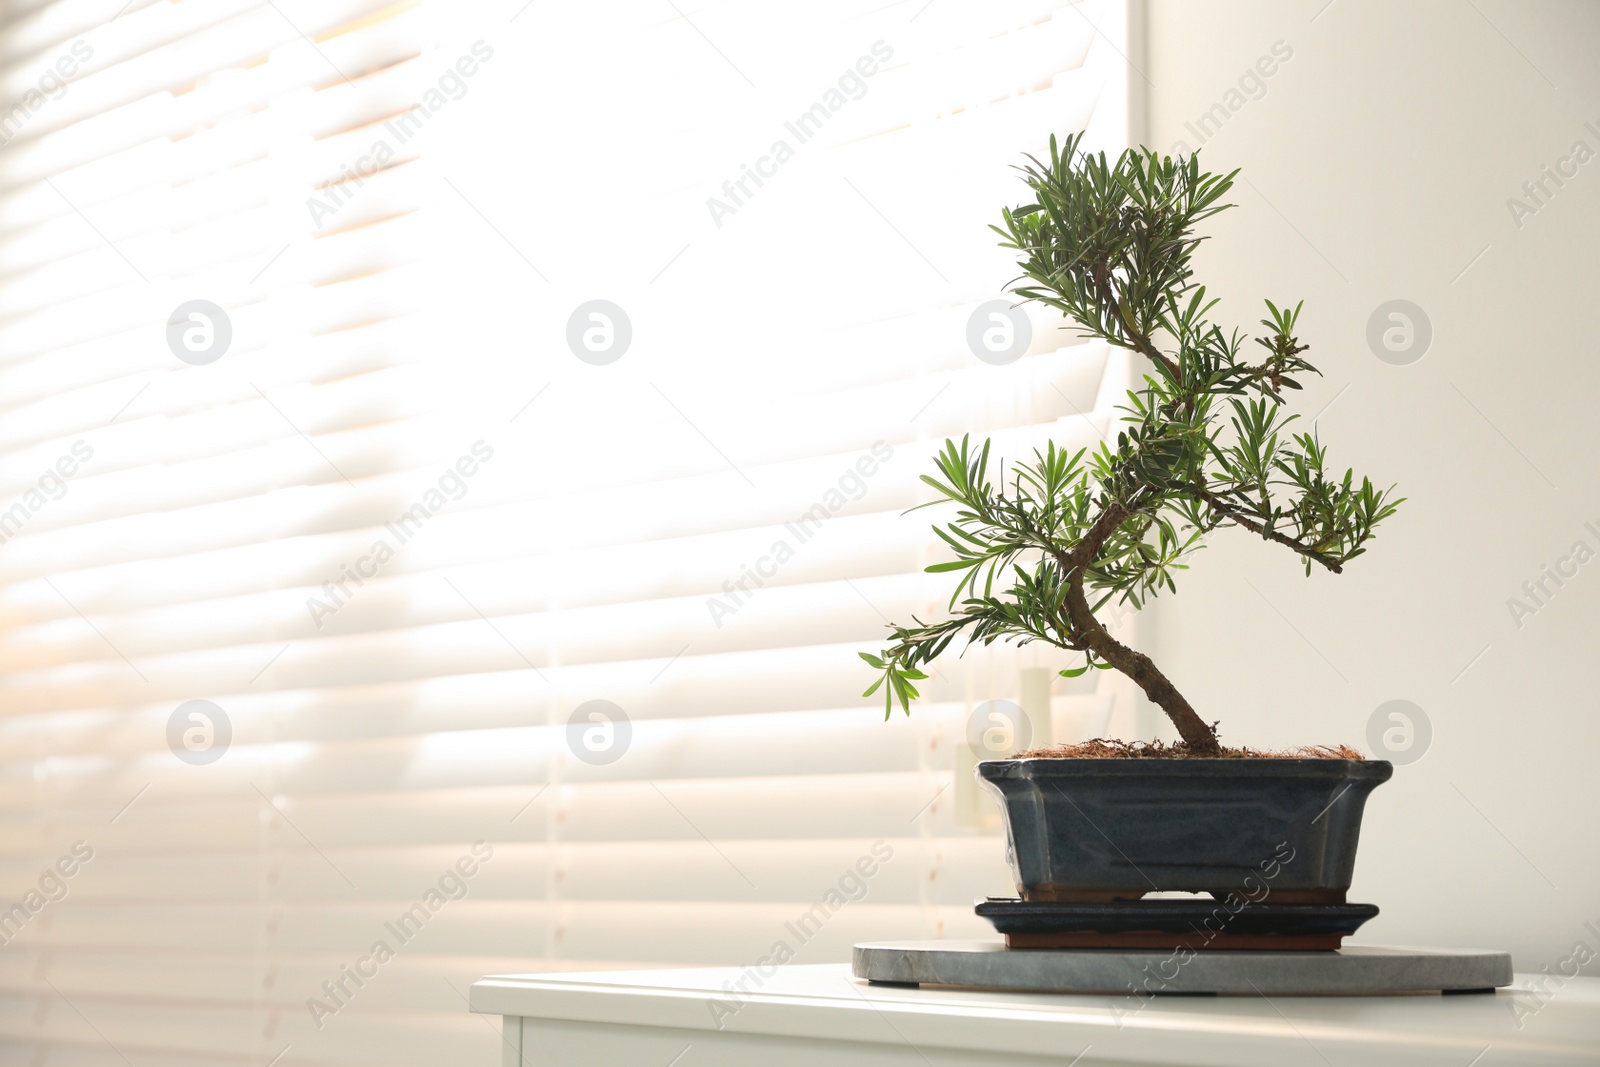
1354	970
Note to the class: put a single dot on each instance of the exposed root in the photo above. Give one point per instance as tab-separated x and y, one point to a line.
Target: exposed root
1102	748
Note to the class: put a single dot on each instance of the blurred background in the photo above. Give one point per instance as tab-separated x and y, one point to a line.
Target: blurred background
452	454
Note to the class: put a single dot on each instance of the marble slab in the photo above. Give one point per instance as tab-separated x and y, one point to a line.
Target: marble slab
1353	970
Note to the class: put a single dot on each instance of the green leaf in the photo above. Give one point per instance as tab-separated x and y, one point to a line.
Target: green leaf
953	565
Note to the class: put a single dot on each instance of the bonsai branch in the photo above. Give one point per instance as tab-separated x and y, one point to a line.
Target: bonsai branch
1132	338
1222	507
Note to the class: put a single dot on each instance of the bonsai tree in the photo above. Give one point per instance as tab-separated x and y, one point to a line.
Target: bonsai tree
1204	444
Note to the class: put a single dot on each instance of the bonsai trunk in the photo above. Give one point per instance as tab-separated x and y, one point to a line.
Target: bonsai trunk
1196	734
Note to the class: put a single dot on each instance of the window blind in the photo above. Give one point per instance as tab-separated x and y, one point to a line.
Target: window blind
420	631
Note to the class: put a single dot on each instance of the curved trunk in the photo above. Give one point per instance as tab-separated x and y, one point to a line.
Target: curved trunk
1138	666
1196	734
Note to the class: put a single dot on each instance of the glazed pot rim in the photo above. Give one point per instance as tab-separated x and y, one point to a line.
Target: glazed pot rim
1195	767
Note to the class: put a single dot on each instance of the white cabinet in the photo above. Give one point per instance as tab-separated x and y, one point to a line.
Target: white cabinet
805	1016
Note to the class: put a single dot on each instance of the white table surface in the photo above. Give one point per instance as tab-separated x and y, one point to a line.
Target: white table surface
809	1015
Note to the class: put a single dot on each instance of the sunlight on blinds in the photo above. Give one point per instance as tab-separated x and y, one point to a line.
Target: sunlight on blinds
451	456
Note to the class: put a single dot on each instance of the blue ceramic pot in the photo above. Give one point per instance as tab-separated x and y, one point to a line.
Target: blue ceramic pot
1115	829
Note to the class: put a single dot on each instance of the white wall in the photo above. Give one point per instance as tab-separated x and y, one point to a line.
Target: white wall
1379	161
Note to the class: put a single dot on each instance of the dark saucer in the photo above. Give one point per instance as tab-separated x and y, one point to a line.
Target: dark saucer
1196	924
